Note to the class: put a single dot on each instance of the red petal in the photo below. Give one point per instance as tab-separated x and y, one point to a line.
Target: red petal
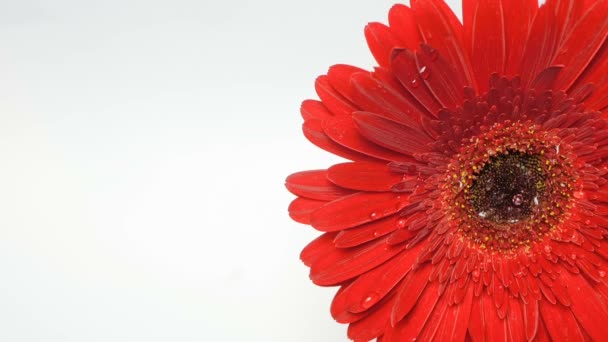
441	29
381	42
518	15
339	77
403	65
542	335
316	249
409	293
582	43
363	176
496	328
436	320
372	325
588	306
301	209
402	23
560	322
356	209
314	185
375	96
444	82
390	134
342	130
333	100
515	320
312	109
343	264
356	236
530	318
409	328
541	44
455	322
546	78
485	38
313	131
371	287
477	321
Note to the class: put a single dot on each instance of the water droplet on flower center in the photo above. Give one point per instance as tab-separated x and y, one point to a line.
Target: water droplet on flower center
508	188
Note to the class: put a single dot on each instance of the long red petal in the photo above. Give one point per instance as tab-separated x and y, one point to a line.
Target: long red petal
390	134
582	44
375	96
342	130
363	176
409	328
367	232
409	294
403	65
560	322
441	29
402	23
518	15
315	185
334	101
313	131
370	288
445	83
381	42
588	306
485	38
342	264
531	318
317	248
301	209
541	44
356	209
455	323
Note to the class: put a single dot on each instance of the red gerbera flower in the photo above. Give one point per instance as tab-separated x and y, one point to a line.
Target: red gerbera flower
475	205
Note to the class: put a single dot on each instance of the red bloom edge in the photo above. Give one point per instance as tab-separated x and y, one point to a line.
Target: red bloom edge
475	202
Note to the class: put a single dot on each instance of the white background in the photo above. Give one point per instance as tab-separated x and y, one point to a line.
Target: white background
143	150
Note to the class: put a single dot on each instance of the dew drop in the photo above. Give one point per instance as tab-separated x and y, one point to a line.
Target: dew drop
415	83
370	300
424	72
373	215
573	256
602	274
476	274
518	200
401	224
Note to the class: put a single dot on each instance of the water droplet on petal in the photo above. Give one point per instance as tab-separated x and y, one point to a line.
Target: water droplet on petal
401	224
415	83
373	215
476	274
424	72
370	300
573	256
602	274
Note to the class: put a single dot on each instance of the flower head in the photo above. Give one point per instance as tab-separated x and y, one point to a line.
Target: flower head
475	203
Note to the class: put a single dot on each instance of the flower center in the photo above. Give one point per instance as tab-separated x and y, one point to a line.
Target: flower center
510	186
507	188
